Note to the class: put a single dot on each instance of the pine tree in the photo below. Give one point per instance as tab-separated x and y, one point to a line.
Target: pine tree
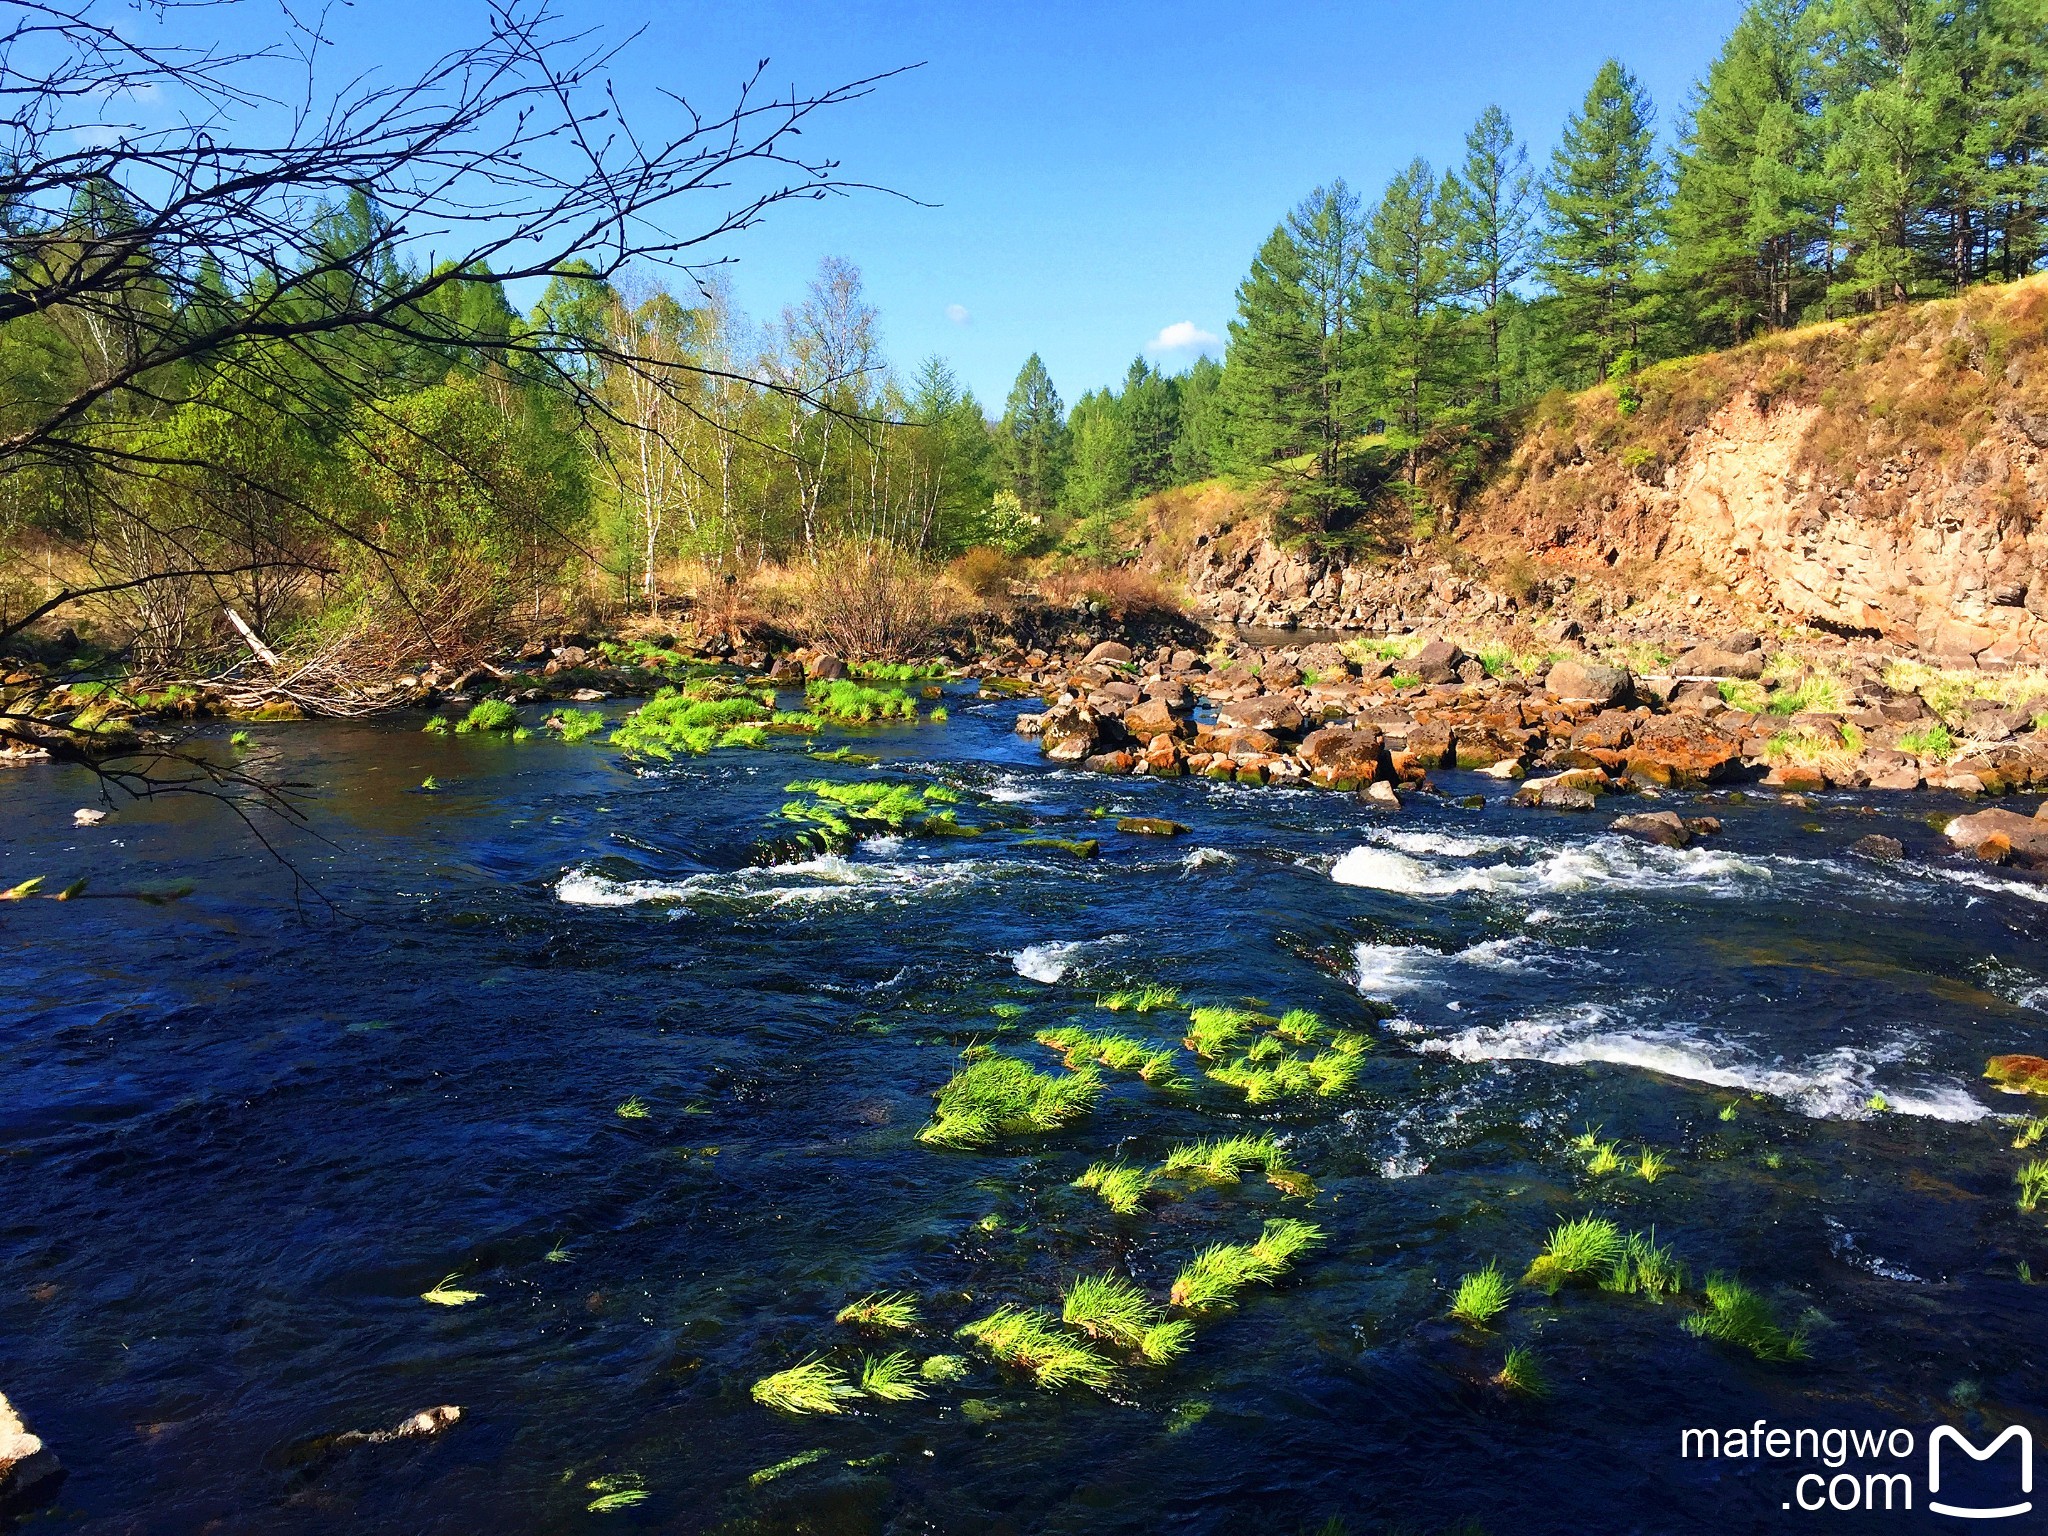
1409	279
950	459
1291	377
1098	484
1150	407
1033	439
1199	448
1490	200
1748	219
1603	198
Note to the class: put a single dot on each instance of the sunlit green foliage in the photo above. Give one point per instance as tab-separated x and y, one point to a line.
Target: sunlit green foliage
1216	1274
1581	1250
1737	1315
489	715
1000	1096
1032	1342
812	1386
882	1312
1482	1296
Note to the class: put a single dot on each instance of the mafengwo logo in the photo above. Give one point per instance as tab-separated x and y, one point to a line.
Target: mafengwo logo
1874	1470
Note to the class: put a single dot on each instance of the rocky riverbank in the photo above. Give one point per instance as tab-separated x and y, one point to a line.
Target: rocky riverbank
1571	726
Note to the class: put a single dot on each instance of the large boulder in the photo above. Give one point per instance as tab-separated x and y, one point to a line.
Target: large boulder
1590	682
826	665
1664	827
1268	712
1437	662
1109	651
1073	732
1680	751
2018	1074
28	1471
2002	837
1712	661
1343	757
1152	718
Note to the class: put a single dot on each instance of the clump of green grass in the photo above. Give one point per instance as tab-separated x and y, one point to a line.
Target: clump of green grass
1000	1096
939	715
239	740
446	1293
489	715
1224	1160
836	816
1730	1110
1646	1268
1405	680
853	703
1029	1340
634	1108
620	1491
1817	692
891	1378
1115	1312
944	1368
1739	693
1119	1053
2033	1182
430	783
437	726
1522	1372
694	721
1301	1026
881	1312
1577	1250
1604	1159
1213	1031
1121	1186
811	1386
899	671
1144	999
1586	1142
1931	741
1652	1165
1737	1315
2029	1133
1214	1276
577	724
1482	1296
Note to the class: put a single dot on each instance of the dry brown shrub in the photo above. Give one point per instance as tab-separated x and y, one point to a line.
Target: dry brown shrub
985	574
1127	593
868	601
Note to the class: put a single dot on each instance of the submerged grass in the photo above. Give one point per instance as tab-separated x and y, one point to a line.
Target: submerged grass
1226	1160
1482	1296
811	1386
1121	1186
1030	1341
1646	1268
2033	1182
1579	1250
1113	1311
1214	1276
1738	1315
1000	1096
446	1293
881	1312
1522	1372
891	1378
1144	999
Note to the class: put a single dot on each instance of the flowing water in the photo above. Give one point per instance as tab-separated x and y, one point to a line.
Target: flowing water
240	1135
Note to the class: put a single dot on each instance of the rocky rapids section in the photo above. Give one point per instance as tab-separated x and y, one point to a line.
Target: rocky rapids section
1315	717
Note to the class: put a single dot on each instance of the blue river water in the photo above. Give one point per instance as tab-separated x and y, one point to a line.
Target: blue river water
243	1132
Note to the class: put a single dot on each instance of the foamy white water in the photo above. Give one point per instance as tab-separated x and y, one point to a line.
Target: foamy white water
1603	862
1839	1085
829	878
1050	962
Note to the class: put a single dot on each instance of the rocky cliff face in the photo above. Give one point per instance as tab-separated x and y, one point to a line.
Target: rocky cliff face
1884	477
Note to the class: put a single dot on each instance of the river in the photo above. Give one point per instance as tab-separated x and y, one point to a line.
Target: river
244	1132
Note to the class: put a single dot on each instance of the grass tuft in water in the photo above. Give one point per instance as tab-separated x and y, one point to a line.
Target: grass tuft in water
1737	1315
430	783
891	1378
1214	1031
1214	1276
446	1293
784	1468
634	1108
1652	1166
945	1368
436	726
489	715
882	1312
1111	1310
1000	1096
621	1491
577	724
1482	1296
2029	1133
1578	1250
1030	1341
811	1386
1646	1268
2033	1182
1121	1186
239	739
1522	1372
1605	1159
1301	1026
561	1253
1144	999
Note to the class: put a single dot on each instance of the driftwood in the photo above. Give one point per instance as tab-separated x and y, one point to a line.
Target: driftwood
263	652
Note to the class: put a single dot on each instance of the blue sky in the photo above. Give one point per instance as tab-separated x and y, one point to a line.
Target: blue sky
1095	173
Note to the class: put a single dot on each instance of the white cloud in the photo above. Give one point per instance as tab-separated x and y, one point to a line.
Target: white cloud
1181	336
957	313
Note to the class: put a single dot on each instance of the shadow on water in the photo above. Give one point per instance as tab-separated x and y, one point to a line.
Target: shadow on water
238	1144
